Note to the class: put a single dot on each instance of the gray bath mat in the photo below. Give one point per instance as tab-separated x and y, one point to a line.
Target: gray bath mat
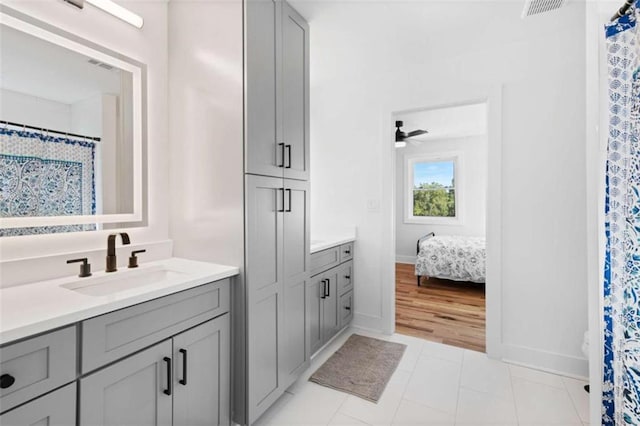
361	367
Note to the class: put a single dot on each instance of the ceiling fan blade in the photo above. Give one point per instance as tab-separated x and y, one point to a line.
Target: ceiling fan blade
416	133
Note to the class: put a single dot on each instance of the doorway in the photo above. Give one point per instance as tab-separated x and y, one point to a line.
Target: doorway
441	177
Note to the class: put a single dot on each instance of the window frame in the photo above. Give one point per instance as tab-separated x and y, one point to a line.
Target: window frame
409	161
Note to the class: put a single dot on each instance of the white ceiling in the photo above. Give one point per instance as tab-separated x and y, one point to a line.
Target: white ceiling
33	66
449	122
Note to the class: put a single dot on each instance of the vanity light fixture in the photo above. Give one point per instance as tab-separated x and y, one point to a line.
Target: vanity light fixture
112	8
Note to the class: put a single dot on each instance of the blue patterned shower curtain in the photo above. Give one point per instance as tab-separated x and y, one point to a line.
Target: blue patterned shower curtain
621	375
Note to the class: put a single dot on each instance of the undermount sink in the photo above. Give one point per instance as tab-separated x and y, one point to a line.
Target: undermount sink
120	281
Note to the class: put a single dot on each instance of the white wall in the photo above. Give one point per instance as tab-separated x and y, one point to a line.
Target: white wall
44	256
206	130
471	188
356	81
26	109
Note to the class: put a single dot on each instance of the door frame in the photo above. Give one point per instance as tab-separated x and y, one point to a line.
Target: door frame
460	95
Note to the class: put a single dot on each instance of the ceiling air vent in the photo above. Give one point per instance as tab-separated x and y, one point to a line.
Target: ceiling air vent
535	7
100	64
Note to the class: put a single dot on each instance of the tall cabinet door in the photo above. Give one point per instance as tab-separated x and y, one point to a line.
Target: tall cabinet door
264	281
295	93
201	374
263	41
330	313
295	355
134	391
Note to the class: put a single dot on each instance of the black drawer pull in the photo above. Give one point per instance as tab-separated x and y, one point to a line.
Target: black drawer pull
6	380
347	252
282	193
324	289
348	308
289	209
183	381
288	147
281	145
328	287
348	277
167	391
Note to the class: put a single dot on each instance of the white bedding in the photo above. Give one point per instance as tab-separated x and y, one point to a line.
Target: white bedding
453	257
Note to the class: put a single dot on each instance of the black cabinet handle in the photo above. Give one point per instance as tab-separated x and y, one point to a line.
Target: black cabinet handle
348	308
6	380
282	193
288	147
347	251
348	277
289	209
183	381
324	289
328	287
167	391
282	148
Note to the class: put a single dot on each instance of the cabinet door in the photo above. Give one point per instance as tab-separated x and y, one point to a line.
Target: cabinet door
202	374
314	296
330	313
55	409
295	93
265	148
264	286
129	392
295	355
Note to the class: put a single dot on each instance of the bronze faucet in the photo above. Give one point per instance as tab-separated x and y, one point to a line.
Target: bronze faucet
112	263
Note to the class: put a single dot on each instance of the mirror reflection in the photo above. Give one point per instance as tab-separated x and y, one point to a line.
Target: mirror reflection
66	134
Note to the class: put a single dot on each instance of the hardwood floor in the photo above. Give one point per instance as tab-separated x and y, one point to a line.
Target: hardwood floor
443	311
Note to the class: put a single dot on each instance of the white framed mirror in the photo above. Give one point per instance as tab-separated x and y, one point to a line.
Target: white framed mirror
72	132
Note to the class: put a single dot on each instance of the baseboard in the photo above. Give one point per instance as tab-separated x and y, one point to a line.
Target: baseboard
550	362
405	259
370	323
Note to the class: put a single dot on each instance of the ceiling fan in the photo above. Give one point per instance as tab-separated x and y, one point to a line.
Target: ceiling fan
401	136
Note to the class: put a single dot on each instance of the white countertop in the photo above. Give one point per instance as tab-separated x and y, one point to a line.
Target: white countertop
323	242
34	308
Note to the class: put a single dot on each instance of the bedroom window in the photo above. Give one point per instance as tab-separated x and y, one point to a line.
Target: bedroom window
432	195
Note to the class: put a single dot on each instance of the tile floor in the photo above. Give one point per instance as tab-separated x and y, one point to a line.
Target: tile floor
439	385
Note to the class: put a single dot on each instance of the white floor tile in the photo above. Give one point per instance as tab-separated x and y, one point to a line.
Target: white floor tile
435	383
341	420
413	414
536	376
579	396
446	352
383	411
482	374
538	403
483	408
311	405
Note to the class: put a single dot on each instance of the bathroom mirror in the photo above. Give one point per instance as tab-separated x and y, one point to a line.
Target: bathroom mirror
72	132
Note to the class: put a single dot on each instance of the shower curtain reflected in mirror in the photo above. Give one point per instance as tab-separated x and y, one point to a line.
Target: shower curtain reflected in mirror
621	375
45	175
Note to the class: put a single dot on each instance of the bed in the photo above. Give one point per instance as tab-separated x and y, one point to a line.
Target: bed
451	257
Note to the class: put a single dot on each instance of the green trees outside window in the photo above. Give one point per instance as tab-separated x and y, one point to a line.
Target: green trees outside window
433	189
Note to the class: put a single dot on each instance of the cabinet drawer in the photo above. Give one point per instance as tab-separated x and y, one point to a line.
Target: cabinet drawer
346	309
117	334
55	409
38	365
345	278
346	252
325	259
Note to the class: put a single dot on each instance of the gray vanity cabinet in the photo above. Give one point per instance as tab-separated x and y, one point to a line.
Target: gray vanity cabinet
329	294
57	408
130	392
277	265
277	90
153	388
